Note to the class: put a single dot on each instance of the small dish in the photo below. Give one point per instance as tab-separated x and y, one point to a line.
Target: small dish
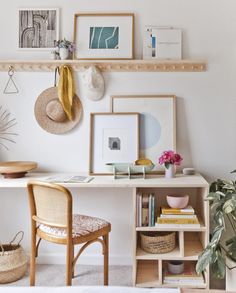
175	267
177	201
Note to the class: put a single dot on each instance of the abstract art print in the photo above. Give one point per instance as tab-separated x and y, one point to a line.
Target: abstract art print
38	28
104	36
157	122
114	138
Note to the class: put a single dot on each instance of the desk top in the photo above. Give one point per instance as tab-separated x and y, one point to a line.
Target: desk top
108	182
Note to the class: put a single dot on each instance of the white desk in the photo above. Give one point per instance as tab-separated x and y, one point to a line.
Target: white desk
108	181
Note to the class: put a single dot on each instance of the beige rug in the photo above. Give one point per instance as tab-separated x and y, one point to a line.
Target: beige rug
54	275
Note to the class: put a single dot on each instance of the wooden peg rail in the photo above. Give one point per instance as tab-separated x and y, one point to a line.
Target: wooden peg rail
107	65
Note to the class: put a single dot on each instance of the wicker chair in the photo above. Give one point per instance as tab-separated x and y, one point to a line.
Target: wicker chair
52	220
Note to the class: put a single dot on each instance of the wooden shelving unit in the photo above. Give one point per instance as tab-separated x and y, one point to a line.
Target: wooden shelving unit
148	268
108	65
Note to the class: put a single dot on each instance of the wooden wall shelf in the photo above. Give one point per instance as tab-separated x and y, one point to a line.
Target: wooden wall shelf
108	65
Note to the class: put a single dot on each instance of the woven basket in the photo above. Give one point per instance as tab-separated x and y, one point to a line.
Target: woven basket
159	242
13	262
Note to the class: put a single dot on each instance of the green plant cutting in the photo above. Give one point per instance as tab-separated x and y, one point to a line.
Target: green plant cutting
222	200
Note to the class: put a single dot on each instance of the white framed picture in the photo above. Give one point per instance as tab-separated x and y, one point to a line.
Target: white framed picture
38	28
114	138
157	122
104	36
162	43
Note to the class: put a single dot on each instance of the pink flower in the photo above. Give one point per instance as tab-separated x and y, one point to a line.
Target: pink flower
170	157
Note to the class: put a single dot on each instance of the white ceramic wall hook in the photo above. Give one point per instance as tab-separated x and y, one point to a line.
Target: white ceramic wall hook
11	87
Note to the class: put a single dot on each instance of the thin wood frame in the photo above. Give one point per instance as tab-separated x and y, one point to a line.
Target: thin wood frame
91	142
103	15
112	98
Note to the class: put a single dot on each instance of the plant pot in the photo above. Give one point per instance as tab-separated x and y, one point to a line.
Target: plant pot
170	171
230	275
64	53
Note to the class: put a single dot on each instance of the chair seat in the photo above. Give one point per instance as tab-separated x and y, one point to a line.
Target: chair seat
82	226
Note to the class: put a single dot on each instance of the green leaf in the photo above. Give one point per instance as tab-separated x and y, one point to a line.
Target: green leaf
229	206
216	236
218	266
204	259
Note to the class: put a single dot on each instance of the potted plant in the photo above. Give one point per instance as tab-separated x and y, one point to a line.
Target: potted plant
170	160
222	200
64	47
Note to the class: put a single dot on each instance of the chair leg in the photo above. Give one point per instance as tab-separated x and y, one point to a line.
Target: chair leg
33	254
73	256
106	257
69	261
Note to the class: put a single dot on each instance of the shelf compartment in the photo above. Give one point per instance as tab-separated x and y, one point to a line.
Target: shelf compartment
108	65
193	245
182	285
174	254
147	274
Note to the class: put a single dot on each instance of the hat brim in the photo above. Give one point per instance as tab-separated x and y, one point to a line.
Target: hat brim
48	124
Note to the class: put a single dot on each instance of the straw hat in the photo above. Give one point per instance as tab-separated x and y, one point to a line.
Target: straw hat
50	115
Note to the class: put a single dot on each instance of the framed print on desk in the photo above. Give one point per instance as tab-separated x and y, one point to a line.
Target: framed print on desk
157	122
38	28
114	138
104	35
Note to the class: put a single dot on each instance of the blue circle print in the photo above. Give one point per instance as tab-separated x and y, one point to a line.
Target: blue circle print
150	131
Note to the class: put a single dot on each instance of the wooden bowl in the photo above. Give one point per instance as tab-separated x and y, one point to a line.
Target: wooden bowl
16	169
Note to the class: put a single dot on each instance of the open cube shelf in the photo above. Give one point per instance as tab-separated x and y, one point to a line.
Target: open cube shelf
190	242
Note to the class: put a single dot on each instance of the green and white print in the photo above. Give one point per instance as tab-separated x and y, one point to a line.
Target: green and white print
104	38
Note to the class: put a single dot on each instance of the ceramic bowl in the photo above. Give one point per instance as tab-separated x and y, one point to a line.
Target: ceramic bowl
177	201
175	267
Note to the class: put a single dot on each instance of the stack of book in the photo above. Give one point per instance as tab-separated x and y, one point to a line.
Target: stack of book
175	217
189	277
145	210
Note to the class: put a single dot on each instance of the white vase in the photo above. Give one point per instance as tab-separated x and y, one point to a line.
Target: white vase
170	171
64	53
230	275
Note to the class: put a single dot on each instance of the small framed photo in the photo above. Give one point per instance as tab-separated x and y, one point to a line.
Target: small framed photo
104	36
157	122
114	138
38	28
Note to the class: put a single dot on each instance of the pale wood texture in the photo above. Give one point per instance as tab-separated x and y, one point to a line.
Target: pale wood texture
154	181
51	204
107	65
190	241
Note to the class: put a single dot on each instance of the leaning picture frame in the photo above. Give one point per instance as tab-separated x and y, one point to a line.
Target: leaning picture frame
157	122
114	138
104	36
38	28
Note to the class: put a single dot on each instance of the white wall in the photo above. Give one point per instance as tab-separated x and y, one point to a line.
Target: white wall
206	101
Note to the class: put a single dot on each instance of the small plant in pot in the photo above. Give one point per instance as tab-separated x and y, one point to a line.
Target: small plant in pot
222	200
65	48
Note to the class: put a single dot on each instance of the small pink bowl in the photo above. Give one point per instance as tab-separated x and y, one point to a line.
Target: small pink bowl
177	201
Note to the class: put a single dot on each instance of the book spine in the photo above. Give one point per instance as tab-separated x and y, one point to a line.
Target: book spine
150	210
169	212
145	210
140	210
178	216
153	210
176	221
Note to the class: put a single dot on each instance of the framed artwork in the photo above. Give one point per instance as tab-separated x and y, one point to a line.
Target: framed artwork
104	36
157	122
38	28
114	138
